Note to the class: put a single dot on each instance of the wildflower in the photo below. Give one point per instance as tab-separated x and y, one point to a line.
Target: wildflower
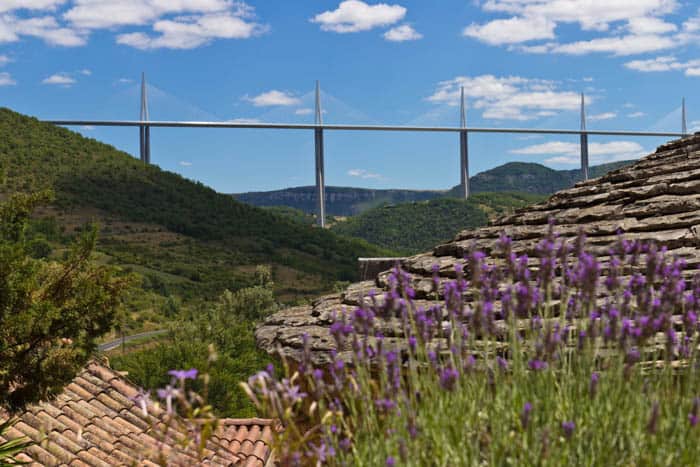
385	405
653	422
345	444
568	428
525	415
142	399
502	363
167	394
593	385
448	378
182	375
537	365
694	414
390	462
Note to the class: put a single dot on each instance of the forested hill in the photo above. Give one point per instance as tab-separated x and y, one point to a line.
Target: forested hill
524	177
528	177
411	228
340	201
180	234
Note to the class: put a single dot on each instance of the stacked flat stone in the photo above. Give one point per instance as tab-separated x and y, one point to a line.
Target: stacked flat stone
656	199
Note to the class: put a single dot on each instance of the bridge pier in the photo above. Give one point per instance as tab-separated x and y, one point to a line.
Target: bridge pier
584	141
463	149
144	130
320	170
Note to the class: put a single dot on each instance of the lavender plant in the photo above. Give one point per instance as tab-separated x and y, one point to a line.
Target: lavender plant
565	358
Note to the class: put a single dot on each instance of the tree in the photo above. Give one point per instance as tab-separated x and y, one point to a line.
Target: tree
50	312
226	327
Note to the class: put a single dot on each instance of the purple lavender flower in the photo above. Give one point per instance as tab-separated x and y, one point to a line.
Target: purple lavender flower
593	385
390	462
652	424
142	399
448	378
537	365
694	414
568	428
525	415
182	375
167	394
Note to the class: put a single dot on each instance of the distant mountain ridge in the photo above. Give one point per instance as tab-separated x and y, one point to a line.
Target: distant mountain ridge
523	177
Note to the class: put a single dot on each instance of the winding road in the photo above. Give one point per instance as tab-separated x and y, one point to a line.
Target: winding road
107	346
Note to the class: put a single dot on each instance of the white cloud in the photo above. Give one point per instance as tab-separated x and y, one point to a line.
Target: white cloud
364	174
636	115
86	72
304	111
665	63
569	153
87	127
639	26
4	60
272	98
602	116
617	45
6	79
61	79
402	33
649	25
43	27
512	30
177	24
125	81
192	32
10	5
356	16
185	163
511	98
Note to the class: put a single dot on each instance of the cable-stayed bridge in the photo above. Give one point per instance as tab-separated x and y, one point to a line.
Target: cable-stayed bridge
144	124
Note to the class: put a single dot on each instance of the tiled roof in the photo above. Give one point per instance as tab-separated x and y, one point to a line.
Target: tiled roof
94	422
655	199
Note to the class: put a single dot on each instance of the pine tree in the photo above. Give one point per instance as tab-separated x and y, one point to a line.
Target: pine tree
51	312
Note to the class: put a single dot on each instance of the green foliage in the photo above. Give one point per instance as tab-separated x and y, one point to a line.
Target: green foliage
228	326
10	449
50	312
414	227
296	215
530	177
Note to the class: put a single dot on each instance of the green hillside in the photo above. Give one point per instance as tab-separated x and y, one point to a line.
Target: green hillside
187	241
528	177
415	227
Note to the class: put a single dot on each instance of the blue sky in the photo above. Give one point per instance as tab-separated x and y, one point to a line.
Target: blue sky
522	63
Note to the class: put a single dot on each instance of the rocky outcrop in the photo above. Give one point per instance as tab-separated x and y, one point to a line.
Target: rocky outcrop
655	199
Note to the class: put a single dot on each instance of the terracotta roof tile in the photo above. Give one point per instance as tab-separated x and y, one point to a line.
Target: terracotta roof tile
94	423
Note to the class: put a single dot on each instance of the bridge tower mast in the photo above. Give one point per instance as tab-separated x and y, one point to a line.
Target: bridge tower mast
145	130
